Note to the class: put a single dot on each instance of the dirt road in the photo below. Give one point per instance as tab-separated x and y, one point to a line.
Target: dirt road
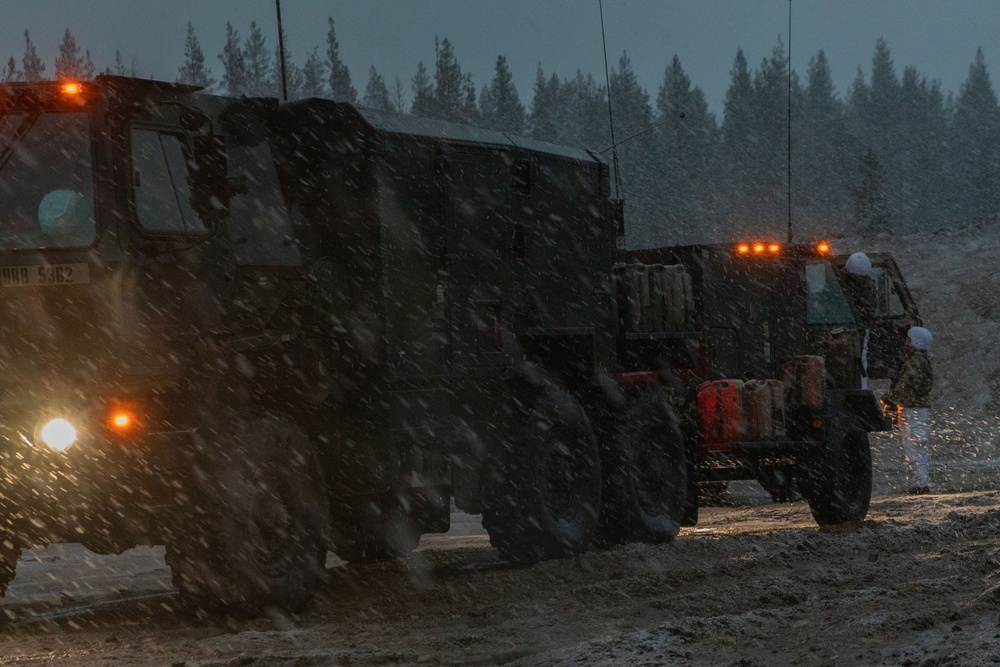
754	584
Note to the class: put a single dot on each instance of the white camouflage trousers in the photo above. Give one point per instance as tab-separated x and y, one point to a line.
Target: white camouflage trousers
914	429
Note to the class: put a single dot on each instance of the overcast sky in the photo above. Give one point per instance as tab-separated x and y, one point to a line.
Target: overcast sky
939	37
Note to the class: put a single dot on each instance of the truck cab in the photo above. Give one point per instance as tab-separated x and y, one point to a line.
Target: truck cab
145	248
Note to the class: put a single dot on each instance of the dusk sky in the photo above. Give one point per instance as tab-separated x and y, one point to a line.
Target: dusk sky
940	38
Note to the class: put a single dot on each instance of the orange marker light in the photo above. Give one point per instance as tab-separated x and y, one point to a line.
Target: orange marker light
758	247
121	420
71	88
823	248
774	248
743	248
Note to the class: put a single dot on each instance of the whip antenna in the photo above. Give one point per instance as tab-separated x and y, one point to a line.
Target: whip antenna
611	116
789	122
281	52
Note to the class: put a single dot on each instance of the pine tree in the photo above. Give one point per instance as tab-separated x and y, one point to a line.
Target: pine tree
737	138
545	108
34	68
120	69
500	107
194	71
295	78
89	70
469	110
313	76
376	92
822	158
448	82
258	63
976	143
423	93
398	96
10	71
870	206
341	88
920	152
769	153
70	61
234	69
584	119
685	143
633	116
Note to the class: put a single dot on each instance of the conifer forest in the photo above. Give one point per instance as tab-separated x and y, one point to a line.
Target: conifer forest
893	153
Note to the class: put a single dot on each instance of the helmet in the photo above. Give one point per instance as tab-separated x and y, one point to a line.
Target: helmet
858	264
63	216
920	338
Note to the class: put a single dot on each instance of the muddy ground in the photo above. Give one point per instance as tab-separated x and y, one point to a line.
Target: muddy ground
918	583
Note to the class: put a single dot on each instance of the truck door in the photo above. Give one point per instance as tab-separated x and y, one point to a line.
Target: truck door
895	313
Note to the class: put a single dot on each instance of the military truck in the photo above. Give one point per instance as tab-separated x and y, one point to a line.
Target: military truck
254	332
763	342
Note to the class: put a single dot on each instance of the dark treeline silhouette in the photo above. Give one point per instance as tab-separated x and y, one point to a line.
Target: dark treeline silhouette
895	154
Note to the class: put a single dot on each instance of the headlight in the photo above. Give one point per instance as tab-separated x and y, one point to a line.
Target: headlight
58	434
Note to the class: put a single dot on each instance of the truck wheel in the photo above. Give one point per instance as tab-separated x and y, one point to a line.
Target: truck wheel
546	492
372	530
839	487
645	473
260	522
10	552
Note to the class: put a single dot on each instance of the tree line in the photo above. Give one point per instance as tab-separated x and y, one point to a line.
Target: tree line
895	154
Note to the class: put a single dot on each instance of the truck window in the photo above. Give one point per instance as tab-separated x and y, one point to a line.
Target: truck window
826	303
46	182
889	302
260	224
162	184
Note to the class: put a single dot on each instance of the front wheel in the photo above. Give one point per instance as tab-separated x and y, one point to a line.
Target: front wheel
258	532
547	488
839	485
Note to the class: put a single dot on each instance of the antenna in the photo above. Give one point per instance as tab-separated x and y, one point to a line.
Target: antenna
281	52
789	122
611	117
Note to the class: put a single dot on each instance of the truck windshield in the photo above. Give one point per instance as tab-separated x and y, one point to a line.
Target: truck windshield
827	303
46	184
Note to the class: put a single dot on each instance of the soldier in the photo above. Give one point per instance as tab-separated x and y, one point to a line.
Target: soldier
911	393
860	287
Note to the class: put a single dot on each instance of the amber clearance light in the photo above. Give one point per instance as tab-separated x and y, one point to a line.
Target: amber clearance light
71	88
823	248
122	417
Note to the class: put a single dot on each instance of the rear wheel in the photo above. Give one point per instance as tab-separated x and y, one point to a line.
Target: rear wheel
547	489
258	531
646	473
839	485
373	529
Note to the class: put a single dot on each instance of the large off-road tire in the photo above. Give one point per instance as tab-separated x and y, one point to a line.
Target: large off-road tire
645	473
10	552
838	485
546	491
372	529
257	533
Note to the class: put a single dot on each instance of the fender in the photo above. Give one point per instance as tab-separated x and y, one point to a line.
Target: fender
862	405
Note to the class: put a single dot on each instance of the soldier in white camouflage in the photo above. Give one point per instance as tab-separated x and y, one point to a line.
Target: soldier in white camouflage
911	392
